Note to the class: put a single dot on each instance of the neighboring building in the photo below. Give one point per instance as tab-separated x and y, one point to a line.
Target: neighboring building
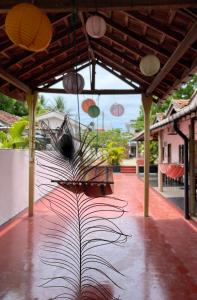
7	119
176	133
54	120
130	126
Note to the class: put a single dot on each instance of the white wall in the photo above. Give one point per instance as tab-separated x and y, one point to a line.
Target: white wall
14	183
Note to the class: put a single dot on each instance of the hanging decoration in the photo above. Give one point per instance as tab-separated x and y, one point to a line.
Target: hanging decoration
87	103
73	83
96	27
28	27
149	65
94	111
78	184
117	110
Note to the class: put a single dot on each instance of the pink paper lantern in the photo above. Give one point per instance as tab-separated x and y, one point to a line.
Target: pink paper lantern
96	27
117	110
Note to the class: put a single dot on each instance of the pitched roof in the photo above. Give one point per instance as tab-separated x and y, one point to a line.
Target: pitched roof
189	107
8	118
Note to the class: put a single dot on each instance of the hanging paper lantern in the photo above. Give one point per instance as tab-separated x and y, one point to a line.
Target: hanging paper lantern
96	27
117	110
94	111
28	27
73	83
149	65
87	103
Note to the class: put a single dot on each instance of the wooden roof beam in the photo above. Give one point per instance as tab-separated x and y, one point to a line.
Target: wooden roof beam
155	25
58	38
131	76
14	81
183	46
81	15
93	92
59	70
116	74
61	78
132	35
89	5
48	58
127	60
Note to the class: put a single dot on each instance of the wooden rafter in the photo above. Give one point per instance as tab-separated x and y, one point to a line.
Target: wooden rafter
189	39
81	15
157	26
48	58
152	46
110	70
125	57
93	92
127	61
66	5
59	37
69	62
104	58
14	81
62	69
51	83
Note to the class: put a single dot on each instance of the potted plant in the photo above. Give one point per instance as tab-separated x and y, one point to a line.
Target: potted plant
114	155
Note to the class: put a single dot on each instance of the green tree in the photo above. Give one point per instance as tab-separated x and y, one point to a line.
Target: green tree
15	138
103	138
41	106
184	92
13	106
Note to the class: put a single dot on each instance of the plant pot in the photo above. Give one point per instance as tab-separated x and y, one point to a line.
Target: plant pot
116	169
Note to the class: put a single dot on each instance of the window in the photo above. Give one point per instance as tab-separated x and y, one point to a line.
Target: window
169	153
181	154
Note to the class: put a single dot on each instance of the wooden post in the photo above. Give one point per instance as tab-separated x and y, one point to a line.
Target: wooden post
31	102
137	157
160	160
192	167
146	102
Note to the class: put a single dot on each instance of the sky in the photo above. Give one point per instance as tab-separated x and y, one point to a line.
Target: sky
104	80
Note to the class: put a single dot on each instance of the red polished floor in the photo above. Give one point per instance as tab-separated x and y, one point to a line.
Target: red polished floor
159	261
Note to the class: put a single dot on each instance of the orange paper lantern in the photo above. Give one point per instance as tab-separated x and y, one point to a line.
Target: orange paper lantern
28	27
87	103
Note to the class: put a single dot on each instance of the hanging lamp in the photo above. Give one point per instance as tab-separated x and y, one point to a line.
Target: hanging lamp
28	27
73	83
149	65
94	111
117	110
96	27
87	103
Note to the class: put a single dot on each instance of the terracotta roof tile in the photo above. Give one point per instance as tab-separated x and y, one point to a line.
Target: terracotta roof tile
8	118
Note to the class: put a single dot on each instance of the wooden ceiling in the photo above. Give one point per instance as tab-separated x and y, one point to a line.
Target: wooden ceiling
167	28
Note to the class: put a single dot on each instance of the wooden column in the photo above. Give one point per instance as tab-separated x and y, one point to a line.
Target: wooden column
31	101
137	156
160	160
192	167
146	102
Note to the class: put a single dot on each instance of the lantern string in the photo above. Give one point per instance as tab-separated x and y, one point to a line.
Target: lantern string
74	22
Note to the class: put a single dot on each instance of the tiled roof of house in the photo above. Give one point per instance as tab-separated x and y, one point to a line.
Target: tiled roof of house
180	103
7	118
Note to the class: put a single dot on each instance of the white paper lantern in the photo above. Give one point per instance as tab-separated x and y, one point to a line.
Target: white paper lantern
96	27
73	83
149	65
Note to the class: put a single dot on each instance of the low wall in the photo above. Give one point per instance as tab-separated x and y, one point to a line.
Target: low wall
14	183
